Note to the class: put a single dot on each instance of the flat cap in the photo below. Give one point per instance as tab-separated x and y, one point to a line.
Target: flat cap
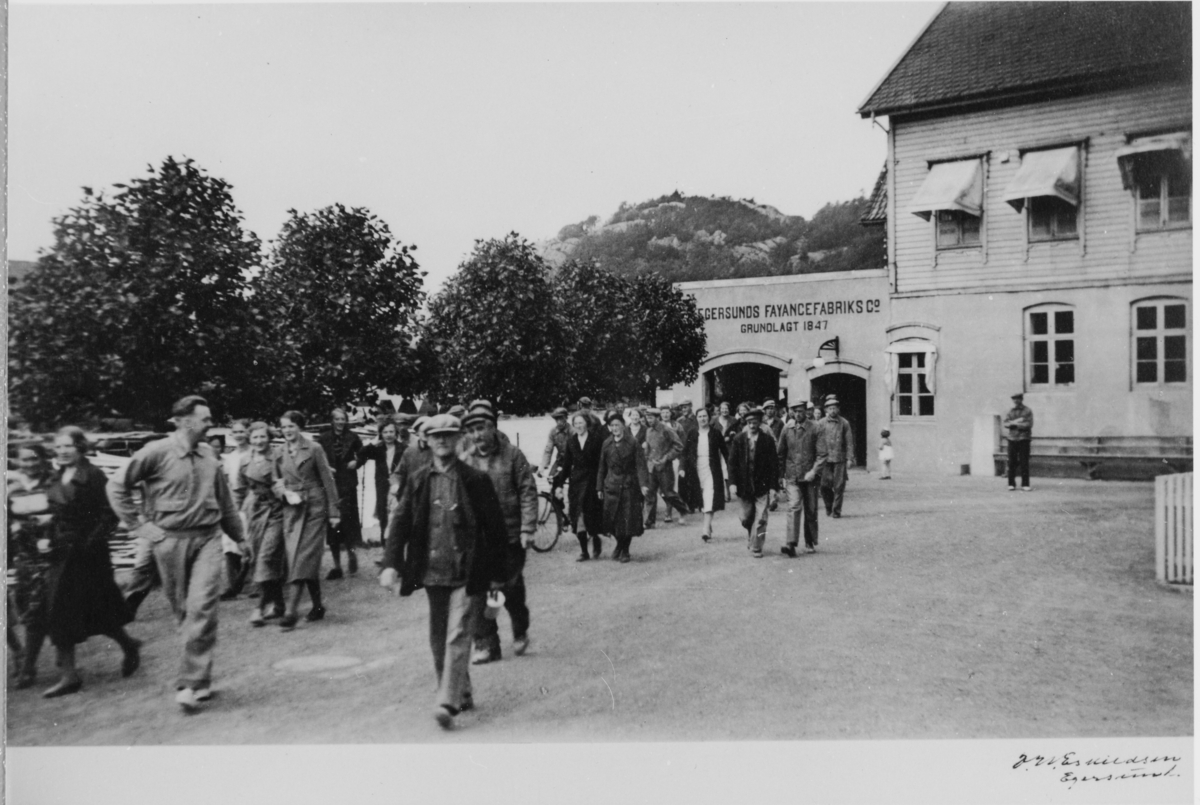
442	423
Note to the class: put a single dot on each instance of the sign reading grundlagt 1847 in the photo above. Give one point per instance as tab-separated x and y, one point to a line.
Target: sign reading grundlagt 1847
791	311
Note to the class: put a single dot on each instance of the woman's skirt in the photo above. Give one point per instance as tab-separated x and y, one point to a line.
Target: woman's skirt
707	491
304	527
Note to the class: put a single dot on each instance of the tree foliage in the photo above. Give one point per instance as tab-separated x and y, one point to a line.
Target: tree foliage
494	331
340	297
670	334
138	302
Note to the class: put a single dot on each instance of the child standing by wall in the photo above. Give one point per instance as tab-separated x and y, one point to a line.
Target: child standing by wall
885	455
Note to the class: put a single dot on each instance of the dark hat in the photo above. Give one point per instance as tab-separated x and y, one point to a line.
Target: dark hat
755	412
613	414
560	412
651	411
480	410
585	402
1018	396
481	404
688	403
442	423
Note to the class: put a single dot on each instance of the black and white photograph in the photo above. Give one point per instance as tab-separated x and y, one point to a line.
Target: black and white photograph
765	402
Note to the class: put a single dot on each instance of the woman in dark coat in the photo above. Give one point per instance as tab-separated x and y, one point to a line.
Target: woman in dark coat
703	471
82	595
622	482
29	525
579	463
263	510
310	501
386	454
342	446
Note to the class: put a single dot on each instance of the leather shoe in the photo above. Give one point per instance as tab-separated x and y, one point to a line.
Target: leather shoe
583	557
25	681
288	622
63	688
132	660
315	614
334	574
625	558
444	716
788	550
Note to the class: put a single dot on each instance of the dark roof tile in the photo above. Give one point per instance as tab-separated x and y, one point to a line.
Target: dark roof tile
980	51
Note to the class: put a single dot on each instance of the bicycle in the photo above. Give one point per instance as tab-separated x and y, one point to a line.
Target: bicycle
552	520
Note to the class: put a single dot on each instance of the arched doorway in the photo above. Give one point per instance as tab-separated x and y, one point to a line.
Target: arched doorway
750	375
851	392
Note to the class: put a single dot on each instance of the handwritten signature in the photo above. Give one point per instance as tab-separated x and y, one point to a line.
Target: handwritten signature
1092	770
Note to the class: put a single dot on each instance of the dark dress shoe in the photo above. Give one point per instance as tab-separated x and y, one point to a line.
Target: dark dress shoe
788	550
288	622
315	614
624	558
132	660
334	574
63	688
583	557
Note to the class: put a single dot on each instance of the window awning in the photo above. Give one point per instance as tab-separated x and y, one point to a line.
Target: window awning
1046	173
1178	145
950	186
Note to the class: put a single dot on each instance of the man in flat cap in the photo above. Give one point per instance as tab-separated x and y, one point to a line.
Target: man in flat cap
801	456
552	456
489	451
839	452
447	535
1019	421
662	447
753	474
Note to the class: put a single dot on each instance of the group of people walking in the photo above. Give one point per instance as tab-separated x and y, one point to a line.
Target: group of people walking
457	503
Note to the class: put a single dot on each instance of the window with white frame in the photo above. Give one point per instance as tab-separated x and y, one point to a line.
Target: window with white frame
913	395
1158	171
1164	195
1160	336
957	229
1050	347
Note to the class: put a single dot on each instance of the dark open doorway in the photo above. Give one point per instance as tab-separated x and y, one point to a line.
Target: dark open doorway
851	392
742	382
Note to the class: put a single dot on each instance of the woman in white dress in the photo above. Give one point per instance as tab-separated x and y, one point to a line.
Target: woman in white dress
703	453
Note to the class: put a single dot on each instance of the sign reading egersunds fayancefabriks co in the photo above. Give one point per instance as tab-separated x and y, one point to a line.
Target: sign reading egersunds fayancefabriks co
797	315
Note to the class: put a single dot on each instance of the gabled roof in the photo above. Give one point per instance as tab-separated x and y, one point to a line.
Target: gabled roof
877	208
1007	51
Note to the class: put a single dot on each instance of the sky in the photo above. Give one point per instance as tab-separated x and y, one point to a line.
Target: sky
451	122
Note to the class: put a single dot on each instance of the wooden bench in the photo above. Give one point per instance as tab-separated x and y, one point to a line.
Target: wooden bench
1109	457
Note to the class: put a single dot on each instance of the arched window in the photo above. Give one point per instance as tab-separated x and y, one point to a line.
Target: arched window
1049	347
1160	341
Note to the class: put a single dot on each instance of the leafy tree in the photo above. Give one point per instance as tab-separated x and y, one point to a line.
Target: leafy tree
140	300
599	313
341	297
494	330
670	334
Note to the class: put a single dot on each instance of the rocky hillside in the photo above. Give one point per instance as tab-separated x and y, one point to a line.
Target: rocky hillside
696	238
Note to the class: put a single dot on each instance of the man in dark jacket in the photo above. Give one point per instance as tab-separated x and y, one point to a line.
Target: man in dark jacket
487	449
447	535
839	452
801	456
753	474
1019	421
662	447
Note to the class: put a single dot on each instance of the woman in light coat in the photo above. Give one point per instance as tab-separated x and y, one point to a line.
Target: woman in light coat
310	506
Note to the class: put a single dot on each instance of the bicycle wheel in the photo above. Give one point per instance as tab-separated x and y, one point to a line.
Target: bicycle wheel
548	525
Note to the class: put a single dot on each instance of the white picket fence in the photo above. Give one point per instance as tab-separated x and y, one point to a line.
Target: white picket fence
1173	528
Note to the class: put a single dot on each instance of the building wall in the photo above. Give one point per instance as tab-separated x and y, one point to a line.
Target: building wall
1108	250
981	363
970	303
782	321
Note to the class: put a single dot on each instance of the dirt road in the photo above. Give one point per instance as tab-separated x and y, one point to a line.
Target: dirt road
936	608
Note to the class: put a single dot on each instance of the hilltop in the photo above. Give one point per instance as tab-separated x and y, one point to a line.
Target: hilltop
686	238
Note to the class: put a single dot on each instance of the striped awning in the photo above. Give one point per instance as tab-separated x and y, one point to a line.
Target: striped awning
950	186
1046	173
